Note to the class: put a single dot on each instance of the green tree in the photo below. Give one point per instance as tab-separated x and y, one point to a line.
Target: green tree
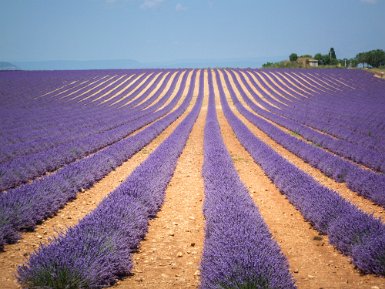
353	62
268	64
374	58
318	57
332	57
293	57
332	54
362	58
325	59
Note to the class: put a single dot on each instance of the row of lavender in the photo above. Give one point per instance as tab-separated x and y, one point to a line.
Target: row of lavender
39	115
22	208
21	91
357	153
98	250
368	183
60	151
46	112
53	112
239	251
71	125
354	239
351	231
329	103
355	115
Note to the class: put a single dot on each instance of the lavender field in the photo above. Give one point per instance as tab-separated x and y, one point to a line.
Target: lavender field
192	178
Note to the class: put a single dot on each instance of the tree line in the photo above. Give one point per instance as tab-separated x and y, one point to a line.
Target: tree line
372	58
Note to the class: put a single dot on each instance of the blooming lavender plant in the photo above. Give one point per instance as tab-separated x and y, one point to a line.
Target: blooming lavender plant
350	230
97	251
239	251
354	114
24	207
365	182
26	168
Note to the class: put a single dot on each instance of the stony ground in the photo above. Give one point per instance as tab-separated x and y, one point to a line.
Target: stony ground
169	257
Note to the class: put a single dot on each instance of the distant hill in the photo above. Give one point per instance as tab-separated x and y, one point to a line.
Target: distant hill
76	65
132	64
7	66
210	62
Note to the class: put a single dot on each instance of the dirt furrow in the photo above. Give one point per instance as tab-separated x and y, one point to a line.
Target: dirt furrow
319	82
155	90
264	89
115	94
74	211
89	85
313	262
283	83
287	131
56	89
308	84
169	257
100	87
121	90
284	90
188	83
115	87
132	83
294	93
341	188
286	80
79	83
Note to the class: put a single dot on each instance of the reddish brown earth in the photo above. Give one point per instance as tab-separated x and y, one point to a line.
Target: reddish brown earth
313	262
362	203
170	255
72	213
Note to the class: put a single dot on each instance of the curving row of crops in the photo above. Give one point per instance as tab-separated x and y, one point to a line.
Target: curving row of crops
64	131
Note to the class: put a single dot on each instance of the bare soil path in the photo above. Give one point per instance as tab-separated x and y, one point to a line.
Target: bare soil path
72	213
313	262
341	188
169	257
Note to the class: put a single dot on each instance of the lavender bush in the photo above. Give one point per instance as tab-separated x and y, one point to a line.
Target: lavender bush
24	207
26	168
239	251
97	251
365	182
350	230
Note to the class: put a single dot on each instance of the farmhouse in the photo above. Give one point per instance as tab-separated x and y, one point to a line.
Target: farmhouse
312	62
307	62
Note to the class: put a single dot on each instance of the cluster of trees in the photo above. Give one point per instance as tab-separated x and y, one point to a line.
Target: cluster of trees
293	57
374	58
327	59
323	59
280	64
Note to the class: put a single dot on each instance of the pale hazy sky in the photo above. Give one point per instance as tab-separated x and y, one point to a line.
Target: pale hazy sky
167	30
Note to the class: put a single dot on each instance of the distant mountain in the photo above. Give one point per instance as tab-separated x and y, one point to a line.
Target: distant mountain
7	66
216	63
130	64
77	64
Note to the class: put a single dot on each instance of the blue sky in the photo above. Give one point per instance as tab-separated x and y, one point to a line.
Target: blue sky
172	30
